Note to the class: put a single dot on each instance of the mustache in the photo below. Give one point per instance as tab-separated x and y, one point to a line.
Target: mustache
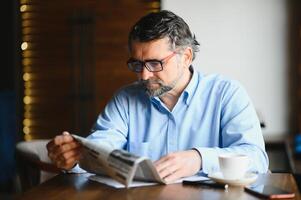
149	81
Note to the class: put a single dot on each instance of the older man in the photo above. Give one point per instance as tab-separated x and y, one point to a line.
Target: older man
176	116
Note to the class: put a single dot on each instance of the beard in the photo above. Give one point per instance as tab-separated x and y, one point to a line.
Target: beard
155	92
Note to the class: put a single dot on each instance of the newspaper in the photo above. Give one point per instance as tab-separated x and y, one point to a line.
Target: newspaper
119	164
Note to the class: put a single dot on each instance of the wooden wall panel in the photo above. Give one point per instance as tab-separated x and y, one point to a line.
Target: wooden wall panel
73	60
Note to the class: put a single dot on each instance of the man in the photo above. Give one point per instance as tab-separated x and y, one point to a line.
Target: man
176	116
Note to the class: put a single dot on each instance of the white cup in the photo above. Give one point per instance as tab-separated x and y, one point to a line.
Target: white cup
233	166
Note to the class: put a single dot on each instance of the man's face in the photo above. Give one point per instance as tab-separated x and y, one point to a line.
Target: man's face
157	83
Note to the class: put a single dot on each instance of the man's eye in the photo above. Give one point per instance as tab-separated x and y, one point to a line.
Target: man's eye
153	64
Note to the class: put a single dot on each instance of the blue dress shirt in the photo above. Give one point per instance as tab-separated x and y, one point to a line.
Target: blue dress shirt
213	115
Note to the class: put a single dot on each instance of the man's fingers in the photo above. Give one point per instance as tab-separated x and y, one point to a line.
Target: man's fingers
161	166
69	154
50	145
63	150
165	161
62	139
68	159
161	160
72	161
173	176
178	164
59	150
168	170
67	164
67	147
66	133
167	165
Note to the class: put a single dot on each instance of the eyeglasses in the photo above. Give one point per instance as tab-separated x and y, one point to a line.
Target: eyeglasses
151	65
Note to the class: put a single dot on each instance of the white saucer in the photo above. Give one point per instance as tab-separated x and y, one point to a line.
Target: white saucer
246	180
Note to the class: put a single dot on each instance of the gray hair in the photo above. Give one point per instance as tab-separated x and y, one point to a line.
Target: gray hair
164	24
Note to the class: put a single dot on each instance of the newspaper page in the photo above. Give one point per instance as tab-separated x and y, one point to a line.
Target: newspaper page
119	164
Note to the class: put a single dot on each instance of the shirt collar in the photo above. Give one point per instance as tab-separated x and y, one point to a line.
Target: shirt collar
191	87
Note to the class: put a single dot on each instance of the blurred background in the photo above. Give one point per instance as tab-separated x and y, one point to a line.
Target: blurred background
63	60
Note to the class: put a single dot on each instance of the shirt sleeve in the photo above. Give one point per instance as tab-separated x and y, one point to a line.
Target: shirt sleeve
111	126
240	132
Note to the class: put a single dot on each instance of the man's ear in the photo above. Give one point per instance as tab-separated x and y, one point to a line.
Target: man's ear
187	57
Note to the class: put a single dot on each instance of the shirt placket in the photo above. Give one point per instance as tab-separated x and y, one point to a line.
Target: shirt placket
172	135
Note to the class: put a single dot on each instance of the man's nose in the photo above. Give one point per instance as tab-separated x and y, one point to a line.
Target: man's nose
145	74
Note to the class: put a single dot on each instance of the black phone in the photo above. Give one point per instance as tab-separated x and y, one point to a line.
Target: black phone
270	192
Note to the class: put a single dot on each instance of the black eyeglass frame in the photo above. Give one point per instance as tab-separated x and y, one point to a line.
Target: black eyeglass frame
142	64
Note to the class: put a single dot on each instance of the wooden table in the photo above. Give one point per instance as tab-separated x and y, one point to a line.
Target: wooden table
76	186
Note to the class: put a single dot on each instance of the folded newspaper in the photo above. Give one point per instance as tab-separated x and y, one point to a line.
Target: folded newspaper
119	164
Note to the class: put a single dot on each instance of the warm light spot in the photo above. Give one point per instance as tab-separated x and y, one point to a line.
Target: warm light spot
27	100
26	76
27	114
155	10
155	4
27	92
27	68
27	137
24	45
26	23
26	61
26	130
27	108
26	122
23	8
27	84
27	30
26	15
24	1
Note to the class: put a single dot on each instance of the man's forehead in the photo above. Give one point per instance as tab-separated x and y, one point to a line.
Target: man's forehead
160	45
164	40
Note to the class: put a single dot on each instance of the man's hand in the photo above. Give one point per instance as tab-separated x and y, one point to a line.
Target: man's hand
179	164
64	151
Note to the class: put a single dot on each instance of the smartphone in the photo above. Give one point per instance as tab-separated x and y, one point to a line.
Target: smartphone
269	192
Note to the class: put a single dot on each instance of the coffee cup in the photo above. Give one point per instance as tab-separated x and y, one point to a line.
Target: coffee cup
233	166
